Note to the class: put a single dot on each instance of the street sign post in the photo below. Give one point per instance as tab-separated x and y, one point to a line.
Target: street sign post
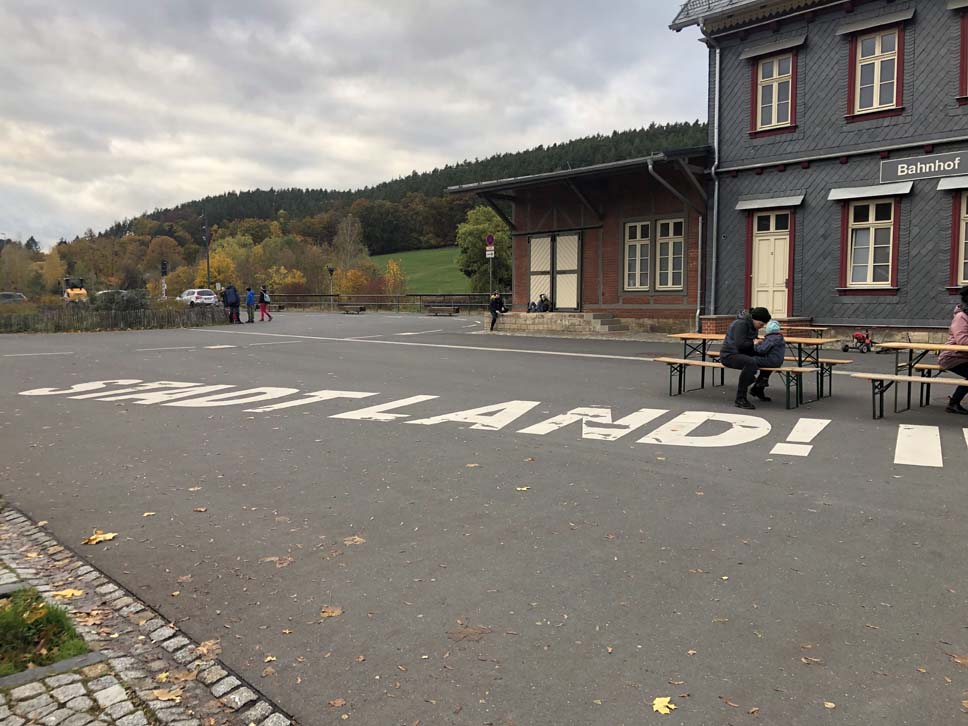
489	255
164	284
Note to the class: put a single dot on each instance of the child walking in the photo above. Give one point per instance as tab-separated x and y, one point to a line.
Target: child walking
264	305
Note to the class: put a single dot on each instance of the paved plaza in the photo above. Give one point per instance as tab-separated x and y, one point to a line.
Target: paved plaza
393	519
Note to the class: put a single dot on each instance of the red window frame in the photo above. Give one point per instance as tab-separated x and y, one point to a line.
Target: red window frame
750	216
898	109
845	250
754	132
954	284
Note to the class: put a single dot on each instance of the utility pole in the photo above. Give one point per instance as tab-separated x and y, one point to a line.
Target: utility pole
208	256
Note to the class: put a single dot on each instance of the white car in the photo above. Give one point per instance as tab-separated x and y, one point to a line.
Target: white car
198	297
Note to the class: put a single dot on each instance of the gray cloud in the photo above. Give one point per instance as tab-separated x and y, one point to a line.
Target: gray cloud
111	108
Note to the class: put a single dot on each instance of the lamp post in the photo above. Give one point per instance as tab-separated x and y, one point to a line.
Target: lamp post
208	245
331	270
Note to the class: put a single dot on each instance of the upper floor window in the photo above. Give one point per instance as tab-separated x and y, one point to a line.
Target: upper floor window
876	71
963	65
670	247
638	255
774	92
962	232
870	238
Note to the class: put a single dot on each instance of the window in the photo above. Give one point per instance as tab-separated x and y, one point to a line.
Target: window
876	83
772	222
963	239
638	251
963	67
870	238
669	250
774	92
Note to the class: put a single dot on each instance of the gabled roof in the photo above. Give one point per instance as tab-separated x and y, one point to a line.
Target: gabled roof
719	14
583	171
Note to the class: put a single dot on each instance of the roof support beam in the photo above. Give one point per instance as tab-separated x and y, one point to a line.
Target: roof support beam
504	197
701	211
686	169
584	200
497	210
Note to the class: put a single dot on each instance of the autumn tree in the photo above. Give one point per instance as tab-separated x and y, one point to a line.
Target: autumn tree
348	248
223	271
54	271
471	236
162	248
17	271
394	279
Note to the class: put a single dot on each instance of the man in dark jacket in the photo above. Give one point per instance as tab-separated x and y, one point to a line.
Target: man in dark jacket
738	351
496	306
233	302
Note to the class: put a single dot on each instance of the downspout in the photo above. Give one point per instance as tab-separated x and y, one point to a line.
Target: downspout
714	229
700	211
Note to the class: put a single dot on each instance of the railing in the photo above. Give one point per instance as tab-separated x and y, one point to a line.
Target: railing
415	303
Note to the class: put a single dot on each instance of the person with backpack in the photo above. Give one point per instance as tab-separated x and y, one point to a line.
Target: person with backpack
264	301
956	361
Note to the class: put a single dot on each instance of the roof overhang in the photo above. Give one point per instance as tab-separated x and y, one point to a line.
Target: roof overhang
565	175
895	189
745	205
715	16
950	183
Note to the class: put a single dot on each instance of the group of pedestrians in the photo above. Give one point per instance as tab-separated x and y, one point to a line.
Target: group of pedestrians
232	302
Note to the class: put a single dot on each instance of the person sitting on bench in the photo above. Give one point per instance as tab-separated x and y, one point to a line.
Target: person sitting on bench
769	354
739	351
955	361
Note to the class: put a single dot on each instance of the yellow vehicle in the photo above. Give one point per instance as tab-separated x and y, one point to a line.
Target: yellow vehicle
74	291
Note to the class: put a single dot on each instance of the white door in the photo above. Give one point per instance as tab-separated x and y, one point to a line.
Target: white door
540	272
566	272
771	258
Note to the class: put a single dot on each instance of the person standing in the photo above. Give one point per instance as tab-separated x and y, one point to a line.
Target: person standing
250	305
233	302
957	361
264	300
496	306
738	351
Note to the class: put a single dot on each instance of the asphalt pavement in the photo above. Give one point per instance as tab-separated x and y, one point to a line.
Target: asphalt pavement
443	526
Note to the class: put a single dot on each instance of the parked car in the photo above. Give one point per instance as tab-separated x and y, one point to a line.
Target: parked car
12	297
198	297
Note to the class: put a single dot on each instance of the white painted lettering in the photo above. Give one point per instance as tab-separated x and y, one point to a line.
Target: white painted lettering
235	398
146	398
79	387
487	418
150	386
314	397
605	430
742	430
376	413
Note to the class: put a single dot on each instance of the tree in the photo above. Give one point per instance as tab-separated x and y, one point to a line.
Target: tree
16	268
32	246
162	248
223	271
282	280
183	279
54	271
394	279
471	236
348	248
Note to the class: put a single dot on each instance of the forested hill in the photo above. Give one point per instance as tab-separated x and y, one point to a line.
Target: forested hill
299	203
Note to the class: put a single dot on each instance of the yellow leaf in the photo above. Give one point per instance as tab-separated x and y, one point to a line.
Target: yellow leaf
961	660
67	594
209	648
922	670
829	704
287	631
42	523
964	704
690	652
354	540
609	649
521	489
360	658
663	705
753	711
32	555
268	671
162	677
176	593
330	611
344	716
183	676
471	466
200	509
149	514
337	702
269	659
35	613
194	489
597	702
168	694
99	537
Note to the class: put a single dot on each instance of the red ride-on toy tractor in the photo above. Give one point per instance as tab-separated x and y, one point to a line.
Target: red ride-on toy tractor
861	340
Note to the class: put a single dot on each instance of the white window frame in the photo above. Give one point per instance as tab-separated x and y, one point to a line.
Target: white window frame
876	60
963	239
775	81
871	226
636	244
772	215
665	248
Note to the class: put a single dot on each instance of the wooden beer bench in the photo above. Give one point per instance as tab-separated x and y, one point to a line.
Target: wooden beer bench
792	377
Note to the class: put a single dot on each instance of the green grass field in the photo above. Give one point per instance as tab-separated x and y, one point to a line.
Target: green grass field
429	271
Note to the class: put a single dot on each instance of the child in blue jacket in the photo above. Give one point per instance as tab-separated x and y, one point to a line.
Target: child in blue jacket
768	354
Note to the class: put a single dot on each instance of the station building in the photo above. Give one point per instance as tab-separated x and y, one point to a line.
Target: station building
839	162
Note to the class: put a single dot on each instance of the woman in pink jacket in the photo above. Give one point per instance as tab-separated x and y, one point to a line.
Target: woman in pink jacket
957	361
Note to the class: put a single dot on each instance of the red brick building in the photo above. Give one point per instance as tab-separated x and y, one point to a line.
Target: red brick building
624	238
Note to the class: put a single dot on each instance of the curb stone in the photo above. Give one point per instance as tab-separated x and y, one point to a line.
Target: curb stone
130	640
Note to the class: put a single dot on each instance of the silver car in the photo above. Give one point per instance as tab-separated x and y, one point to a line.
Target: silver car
198	297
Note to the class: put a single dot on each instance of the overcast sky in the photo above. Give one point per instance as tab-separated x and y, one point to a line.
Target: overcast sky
115	107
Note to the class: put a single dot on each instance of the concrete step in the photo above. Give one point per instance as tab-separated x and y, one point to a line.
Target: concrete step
599	316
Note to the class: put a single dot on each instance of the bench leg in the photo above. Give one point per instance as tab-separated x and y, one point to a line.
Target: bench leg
877	397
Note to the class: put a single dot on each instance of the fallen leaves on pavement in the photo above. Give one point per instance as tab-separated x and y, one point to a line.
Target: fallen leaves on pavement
337	702
472	633
67	594
168	694
100	536
961	660
200	509
330	611
829	704
268	671
269	659
149	514
209	648
663	705
521	489
353	540
283	561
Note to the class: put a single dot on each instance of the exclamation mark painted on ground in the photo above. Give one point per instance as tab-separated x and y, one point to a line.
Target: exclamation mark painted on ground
918	446
798	442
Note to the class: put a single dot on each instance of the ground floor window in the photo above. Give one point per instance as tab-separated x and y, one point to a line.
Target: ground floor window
670	246
963	239
638	255
870	240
